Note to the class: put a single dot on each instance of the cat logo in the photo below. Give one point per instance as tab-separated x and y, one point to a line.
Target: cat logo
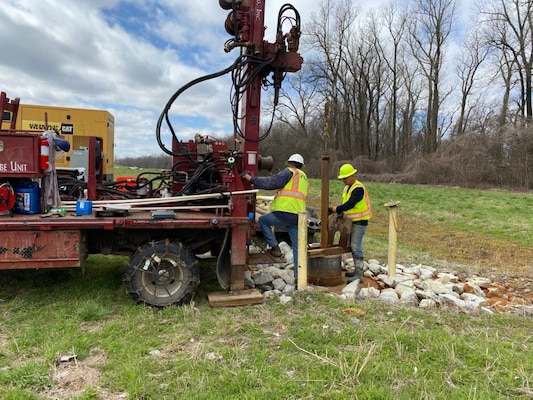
67	129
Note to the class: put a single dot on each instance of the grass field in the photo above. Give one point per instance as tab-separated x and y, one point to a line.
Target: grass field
490	230
68	335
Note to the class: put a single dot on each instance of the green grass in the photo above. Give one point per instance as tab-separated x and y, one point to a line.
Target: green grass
306	349
121	170
487	228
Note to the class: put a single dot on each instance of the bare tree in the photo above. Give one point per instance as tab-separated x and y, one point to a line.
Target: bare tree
300	111
429	32
506	68
395	21
366	76
512	23
300	106
328	34
473	54
378	87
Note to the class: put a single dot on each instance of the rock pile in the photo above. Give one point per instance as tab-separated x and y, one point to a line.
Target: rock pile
414	285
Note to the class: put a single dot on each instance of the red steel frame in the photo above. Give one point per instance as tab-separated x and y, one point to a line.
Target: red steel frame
43	243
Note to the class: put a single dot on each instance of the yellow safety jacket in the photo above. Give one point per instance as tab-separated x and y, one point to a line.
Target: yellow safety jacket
362	210
291	198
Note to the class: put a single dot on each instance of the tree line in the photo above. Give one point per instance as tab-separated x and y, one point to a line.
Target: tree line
407	95
161	161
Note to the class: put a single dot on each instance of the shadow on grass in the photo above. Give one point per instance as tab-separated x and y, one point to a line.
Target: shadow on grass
100	273
103	276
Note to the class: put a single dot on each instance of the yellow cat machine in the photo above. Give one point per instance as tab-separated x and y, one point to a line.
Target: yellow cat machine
75	125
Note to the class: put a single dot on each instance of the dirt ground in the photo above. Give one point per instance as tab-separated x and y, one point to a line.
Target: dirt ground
72	377
507	262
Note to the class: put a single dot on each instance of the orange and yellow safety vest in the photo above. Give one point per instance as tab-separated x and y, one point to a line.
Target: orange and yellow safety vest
292	197
362	210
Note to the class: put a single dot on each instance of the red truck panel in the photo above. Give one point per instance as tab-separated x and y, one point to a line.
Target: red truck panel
40	249
19	155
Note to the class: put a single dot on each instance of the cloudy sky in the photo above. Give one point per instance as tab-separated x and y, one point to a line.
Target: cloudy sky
127	57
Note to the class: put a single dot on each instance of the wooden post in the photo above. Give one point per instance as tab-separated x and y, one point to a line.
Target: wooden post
324	200
393	230
301	263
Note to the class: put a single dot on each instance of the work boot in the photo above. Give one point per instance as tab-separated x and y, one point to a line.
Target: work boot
357	273
275	251
358	276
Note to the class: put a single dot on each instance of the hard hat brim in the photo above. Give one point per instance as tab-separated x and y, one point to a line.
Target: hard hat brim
345	176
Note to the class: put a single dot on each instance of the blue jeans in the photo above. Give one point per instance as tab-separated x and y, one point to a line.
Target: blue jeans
267	221
356	240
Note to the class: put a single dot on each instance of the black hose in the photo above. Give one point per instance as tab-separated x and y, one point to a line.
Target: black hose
173	98
245	63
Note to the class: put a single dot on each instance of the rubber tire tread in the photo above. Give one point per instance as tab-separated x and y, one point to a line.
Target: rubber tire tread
186	262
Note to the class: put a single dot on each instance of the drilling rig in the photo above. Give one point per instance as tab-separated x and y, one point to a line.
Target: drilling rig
162	221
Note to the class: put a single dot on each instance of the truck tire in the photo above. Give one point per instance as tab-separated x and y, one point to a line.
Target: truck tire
161	274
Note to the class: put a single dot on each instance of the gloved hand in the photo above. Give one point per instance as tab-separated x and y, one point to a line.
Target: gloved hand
330	211
244	173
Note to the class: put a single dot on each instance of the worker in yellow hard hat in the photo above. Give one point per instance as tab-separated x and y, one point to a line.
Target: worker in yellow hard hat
356	206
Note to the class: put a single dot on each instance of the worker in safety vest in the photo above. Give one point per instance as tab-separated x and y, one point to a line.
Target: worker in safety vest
292	187
356	206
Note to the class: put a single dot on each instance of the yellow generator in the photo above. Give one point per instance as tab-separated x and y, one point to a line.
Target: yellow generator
75	125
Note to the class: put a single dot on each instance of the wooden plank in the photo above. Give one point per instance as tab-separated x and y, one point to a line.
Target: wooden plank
157	200
236	298
145	207
328	251
264	258
301	262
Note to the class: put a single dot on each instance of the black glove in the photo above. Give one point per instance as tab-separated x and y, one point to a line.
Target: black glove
330	211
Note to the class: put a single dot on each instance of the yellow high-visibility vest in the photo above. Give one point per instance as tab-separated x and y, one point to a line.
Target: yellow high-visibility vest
362	210
291	198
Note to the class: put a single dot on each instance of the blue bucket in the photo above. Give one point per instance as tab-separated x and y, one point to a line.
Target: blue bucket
28	198
84	207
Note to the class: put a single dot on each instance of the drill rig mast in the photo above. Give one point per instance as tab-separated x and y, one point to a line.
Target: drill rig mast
207	165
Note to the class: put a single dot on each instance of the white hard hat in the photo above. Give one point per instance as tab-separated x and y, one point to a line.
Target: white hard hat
296	158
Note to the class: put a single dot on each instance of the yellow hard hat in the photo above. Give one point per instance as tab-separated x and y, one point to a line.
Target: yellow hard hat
346	170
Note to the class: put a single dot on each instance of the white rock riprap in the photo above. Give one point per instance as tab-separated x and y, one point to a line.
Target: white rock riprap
414	285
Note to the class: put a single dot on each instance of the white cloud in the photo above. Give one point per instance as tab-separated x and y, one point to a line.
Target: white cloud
72	55
83	54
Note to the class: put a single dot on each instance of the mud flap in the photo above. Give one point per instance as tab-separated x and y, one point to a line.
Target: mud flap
224	262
